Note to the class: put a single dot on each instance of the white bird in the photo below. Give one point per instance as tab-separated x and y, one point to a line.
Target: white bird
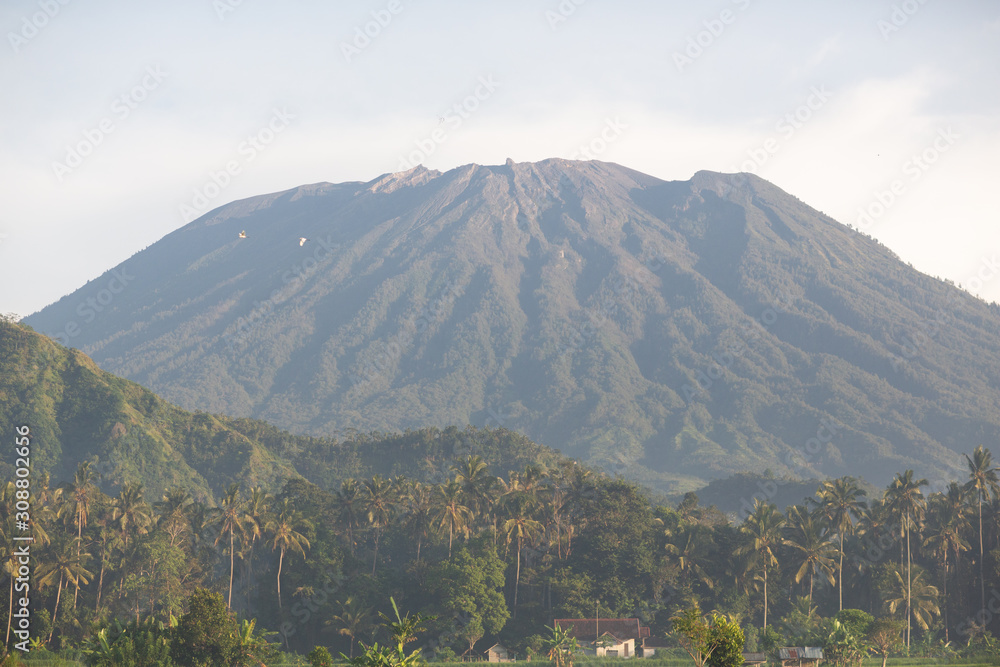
302	241
243	234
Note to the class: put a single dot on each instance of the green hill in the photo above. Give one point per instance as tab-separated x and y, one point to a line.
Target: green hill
78	412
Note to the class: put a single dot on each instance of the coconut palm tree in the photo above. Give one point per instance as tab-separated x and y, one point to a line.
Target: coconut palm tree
473	476
520	525
419	510
65	565
78	496
450	512
689	546
919	598
230	522
172	513
814	552
906	502
839	503
763	529
378	503
982	480
283	528
353	617
948	522
130	512
347	506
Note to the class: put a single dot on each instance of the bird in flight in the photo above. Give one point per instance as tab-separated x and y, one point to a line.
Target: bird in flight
243	234
302	241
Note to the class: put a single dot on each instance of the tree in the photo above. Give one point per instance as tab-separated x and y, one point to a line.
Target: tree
402	631
471	586
379	508
520	526
560	647
207	633
79	495
948	524
130	511
138	644
347	508
450	512
884	637
283	528
812	548
65	566
839	503
982	480
320	657
920	600
230	521
352	618
701	638
763	527
906	501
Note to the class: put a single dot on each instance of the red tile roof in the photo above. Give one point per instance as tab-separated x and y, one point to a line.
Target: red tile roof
587	628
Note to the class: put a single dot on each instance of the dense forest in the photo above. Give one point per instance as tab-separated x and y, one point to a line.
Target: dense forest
487	557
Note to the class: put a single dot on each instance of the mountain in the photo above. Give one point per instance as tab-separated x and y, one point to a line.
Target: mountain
672	332
76	412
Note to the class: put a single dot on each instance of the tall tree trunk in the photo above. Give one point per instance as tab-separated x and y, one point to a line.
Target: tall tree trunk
982	580
765	596
232	560
100	585
375	558
841	570
517	577
281	559
79	541
55	612
908	586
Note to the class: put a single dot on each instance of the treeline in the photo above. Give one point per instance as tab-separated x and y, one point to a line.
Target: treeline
498	558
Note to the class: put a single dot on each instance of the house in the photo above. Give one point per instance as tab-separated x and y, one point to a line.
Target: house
611	637
754	659
497	653
650	645
800	656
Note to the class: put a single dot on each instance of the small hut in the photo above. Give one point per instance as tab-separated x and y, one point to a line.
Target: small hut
498	653
800	656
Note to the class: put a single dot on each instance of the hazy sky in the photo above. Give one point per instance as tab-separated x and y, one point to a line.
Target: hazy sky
121	117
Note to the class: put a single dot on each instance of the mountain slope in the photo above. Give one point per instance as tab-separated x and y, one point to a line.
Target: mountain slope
671	331
76	412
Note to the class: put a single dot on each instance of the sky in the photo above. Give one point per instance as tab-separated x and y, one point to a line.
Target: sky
122	121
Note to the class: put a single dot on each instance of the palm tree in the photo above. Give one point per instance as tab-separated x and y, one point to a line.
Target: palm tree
347	507
379	508
690	546
285	536
763	527
906	501
419	507
982	480
839	502
230	521
352	618
172	512
811	544
522	526
473	475
450	512
948	523
78	496
66	566
130	511
919	597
